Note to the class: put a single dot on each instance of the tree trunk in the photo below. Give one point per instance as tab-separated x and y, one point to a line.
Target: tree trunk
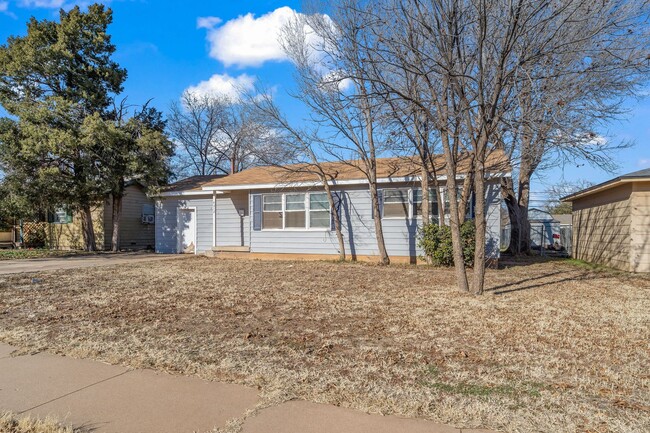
517	206
479	221
465	195
508	195
454	222
87	229
436	187
117	215
425	206
524	201
379	232
337	219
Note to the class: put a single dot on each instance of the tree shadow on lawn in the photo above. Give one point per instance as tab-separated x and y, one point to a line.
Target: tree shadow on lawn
513	286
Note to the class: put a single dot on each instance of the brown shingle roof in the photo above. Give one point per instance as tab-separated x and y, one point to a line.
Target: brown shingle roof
193	183
347	170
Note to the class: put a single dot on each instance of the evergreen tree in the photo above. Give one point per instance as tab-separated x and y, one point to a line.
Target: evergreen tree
51	81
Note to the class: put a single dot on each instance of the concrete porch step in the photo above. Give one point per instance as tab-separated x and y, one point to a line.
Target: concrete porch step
231	249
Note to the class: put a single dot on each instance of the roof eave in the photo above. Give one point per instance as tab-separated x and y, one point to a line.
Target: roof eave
602	187
305	184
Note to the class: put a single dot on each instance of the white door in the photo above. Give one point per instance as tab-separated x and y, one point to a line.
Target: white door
187	231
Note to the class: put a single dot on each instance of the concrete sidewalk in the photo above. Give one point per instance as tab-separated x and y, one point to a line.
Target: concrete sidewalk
82	261
106	398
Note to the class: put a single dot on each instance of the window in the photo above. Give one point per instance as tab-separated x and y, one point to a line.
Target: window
319	211
272	211
469	212
417	204
148	210
60	216
295	211
396	203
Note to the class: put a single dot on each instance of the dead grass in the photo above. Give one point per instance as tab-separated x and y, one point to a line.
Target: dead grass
38	253
551	347
11	423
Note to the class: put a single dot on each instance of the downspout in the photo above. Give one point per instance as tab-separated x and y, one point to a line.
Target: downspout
214	218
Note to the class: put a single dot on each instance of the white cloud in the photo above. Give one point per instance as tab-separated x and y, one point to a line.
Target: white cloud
4	9
338	79
50	4
207	22
225	85
247	40
643	162
58	4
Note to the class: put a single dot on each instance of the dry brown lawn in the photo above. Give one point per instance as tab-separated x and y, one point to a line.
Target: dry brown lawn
11	423
552	347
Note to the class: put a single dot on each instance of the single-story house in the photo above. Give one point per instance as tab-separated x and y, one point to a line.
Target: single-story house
611	222
63	228
283	212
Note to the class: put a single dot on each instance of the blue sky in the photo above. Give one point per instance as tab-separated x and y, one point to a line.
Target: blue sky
168	47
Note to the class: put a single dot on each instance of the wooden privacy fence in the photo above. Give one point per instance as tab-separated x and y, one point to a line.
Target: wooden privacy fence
34	234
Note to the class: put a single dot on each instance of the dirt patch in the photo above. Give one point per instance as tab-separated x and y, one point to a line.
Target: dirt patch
551	347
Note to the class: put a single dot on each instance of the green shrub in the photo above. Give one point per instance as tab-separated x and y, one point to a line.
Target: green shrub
436	242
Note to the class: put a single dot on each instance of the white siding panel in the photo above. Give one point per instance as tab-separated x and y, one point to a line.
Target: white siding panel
204	221
400	235
356	219
166	221
229	223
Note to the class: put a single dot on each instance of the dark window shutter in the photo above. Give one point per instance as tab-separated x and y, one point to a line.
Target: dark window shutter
471	204
257	212
336	196
50	217
414	206
68	217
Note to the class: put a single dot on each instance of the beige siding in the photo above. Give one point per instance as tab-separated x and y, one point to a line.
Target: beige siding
640	227
601	227
70	236
133	233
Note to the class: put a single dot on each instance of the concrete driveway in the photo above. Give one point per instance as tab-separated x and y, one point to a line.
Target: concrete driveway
74	262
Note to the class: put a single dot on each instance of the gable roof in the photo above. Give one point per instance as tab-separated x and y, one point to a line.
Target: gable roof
192	183
539	215
624	178
395	169
564	219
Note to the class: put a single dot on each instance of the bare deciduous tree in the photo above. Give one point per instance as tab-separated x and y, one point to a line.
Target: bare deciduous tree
328	73
477	58
214	134
295	151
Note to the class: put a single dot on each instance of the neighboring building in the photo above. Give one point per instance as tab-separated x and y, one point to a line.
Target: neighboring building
551	230
544	230
563	219
276	212
611	222
7	238
63	230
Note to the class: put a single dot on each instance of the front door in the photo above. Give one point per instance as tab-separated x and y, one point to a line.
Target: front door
188	231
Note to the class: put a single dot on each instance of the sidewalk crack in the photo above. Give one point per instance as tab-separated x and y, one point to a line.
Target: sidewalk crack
74	392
